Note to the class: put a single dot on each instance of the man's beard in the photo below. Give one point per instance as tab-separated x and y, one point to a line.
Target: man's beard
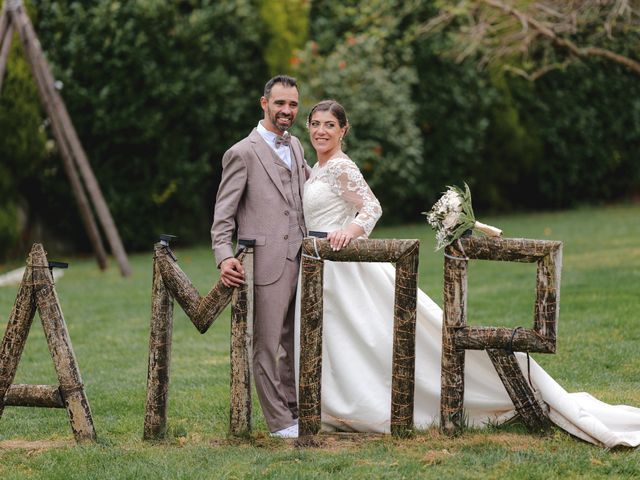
275	117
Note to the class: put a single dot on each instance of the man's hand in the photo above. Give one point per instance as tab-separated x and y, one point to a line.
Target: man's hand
231	272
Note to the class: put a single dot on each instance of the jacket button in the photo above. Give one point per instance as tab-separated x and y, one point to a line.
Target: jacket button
286	237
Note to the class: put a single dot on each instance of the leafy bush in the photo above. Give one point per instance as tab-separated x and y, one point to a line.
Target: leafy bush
420	120
566	139
588	121
157	91
287	24
454	106
378	103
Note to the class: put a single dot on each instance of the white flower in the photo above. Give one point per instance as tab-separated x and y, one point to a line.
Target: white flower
451	220
456	202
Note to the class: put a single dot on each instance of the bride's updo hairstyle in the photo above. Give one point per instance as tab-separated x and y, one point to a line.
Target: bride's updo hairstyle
332	107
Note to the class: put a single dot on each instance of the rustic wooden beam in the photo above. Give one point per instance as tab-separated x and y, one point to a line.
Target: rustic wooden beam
202	311
531	412
37	291
6	38
241	352
452	363
64	360
378	250
505	249
161	328
519	340
57	112
404	344
15	336
310	380
547	309
47	396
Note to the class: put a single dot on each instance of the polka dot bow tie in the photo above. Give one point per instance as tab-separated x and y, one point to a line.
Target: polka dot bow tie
284	139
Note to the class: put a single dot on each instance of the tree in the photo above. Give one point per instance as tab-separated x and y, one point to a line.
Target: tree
580	57
531	38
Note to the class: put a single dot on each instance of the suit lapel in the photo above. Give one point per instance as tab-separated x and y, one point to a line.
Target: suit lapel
298	161
265	157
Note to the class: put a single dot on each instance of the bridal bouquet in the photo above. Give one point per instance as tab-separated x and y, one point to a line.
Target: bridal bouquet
452	215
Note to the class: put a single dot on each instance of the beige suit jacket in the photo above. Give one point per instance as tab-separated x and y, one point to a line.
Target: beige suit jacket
251	203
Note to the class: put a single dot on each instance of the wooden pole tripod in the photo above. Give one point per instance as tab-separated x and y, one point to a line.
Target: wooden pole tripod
75	162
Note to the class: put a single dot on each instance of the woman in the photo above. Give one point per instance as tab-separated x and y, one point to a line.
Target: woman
358	313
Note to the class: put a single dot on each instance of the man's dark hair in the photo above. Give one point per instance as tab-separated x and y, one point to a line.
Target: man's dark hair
283	79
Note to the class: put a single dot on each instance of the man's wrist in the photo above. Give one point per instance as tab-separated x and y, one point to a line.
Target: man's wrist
222	252
222	261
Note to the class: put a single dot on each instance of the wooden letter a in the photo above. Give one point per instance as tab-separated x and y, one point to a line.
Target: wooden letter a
37	291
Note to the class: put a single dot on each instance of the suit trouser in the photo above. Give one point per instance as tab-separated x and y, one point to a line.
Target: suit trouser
273	348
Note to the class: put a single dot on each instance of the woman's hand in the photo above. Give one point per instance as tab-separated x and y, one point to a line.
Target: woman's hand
339	239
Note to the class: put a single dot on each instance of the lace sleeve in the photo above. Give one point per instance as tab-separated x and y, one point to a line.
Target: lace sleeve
353	188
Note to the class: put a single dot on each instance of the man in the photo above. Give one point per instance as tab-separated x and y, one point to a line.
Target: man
260	196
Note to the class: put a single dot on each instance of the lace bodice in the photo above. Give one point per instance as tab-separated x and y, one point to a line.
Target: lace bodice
336	194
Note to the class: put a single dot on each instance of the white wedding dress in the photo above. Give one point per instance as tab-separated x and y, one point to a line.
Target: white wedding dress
357	340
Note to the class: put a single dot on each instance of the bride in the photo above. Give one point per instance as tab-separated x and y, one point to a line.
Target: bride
358	313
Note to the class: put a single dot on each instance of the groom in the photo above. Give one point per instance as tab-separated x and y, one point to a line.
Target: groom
260	198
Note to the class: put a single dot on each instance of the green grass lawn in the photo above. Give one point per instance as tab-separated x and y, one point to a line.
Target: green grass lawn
108	321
